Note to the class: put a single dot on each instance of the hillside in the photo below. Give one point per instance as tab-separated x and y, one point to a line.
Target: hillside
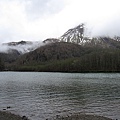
69	57
10	51
53	51
9	57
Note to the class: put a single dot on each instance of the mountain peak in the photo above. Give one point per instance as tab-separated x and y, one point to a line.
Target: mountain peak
74	35
77	35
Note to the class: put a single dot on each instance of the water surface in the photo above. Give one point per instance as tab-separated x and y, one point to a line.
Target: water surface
43	95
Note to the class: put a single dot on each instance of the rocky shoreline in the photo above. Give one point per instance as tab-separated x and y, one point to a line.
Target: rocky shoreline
4	115
81	117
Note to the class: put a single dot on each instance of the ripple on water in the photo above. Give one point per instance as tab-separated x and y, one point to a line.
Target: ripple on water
44	95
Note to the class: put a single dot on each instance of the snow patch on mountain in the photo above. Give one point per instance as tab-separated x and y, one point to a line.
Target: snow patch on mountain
75	35
81	35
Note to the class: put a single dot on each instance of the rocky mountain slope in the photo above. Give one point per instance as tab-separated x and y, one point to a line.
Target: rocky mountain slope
77	35
74	35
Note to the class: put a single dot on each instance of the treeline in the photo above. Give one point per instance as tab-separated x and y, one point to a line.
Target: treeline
107	60
104	61
1	65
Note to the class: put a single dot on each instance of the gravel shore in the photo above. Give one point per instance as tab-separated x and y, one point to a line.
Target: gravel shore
81	117
10	116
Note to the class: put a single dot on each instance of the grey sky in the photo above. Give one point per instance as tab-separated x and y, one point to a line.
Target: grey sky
40	8
41	19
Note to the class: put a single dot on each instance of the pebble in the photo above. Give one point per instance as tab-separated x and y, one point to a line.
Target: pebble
24	118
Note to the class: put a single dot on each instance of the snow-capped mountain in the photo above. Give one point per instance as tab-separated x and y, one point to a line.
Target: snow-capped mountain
74	35
77	35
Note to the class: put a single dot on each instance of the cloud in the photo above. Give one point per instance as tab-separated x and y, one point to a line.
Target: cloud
41	19
42	8
30	19
21	48
101	17
12	20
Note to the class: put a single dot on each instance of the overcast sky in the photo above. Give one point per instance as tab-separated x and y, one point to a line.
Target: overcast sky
41	19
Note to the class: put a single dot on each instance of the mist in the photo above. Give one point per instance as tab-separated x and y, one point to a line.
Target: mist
109	27
21	48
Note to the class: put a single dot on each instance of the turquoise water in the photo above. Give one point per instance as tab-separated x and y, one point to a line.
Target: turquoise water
43	95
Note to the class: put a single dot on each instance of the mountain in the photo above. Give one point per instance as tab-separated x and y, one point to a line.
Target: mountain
9	52
74	35
9	57
22	47
51	40
49	54
18	43
53	51
69	57
72	52
77	35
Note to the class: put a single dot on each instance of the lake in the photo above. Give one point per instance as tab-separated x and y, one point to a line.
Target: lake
41	95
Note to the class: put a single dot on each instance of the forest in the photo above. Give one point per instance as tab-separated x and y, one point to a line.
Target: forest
1	65
106	60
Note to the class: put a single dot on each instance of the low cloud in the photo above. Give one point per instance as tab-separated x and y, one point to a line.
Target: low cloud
21	48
